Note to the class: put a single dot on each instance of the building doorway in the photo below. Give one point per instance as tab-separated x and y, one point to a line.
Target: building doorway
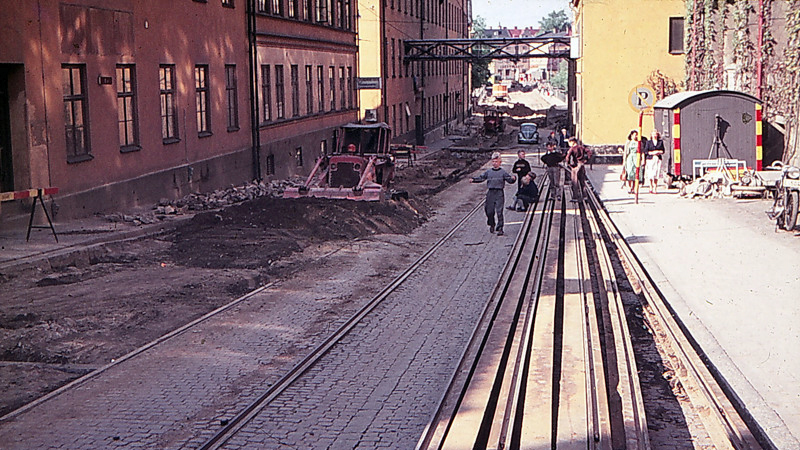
6	163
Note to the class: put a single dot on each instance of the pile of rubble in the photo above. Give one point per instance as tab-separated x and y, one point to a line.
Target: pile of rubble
220	198
719	184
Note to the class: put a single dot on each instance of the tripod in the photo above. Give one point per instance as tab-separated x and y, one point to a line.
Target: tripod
715	145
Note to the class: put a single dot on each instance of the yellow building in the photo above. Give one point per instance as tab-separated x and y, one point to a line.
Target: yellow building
623	47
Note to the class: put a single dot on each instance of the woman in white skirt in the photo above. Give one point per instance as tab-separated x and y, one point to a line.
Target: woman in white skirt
653	150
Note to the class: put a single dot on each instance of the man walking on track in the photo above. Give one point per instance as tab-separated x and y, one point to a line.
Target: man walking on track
577	156
495	179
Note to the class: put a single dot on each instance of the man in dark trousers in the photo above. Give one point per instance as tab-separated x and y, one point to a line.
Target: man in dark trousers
577	156
495	179
552	159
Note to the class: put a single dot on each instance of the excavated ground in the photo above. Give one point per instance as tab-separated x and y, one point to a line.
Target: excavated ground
57	326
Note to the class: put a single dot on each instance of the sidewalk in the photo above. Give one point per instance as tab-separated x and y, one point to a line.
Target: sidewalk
733	281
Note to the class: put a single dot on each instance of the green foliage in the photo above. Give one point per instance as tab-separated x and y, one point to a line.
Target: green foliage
480	68
559	79
556	20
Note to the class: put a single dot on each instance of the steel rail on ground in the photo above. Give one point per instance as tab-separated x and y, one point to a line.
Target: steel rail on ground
484	381
725	424
248	413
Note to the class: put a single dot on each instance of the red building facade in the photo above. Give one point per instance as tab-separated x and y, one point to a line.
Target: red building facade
121	104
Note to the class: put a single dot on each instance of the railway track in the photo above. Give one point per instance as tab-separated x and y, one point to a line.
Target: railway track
551	363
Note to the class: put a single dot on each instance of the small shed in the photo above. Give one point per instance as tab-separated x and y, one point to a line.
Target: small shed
700	126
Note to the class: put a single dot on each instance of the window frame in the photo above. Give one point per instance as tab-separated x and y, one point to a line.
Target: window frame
332	86
128	98
232	97
294	80
321	87
280	93
309	71
674	38
70	99
266	94
169	112
202	100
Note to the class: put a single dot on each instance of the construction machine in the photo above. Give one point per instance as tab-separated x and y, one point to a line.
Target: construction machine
359	168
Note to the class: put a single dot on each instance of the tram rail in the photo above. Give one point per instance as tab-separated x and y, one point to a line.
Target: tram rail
552	363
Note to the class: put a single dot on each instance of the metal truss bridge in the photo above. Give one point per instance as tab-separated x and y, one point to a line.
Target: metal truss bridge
544	46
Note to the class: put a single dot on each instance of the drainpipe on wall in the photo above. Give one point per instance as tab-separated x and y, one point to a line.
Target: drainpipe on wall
760	45
252	57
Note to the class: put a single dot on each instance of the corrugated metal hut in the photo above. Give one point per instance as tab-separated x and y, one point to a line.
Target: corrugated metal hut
706	125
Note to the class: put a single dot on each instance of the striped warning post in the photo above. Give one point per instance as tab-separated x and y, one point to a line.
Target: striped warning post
27	193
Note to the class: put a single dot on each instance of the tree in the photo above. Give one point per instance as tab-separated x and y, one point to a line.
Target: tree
480	68
556	20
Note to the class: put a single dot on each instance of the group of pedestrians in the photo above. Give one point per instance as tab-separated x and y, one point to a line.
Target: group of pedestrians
642	158
560	148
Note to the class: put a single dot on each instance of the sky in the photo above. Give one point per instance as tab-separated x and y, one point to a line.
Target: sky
519	13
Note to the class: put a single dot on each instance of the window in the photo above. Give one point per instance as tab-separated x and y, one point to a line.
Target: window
261	6
309	91
350	87
126	108
321	88
342	97
308	10
394	73
332	86
279	93
266	94
298	155
75	126
337	13
201	100
232	95
270	169
676	35
347	23
294	9
227	3
295	80
322	11
276	7
169	113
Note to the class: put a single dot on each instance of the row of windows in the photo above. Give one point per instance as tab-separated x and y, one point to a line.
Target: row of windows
335	13
436	12
273	90
76	106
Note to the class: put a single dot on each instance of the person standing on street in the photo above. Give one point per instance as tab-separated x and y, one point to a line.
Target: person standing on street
630	155
576	159
495	178
653	150
521	167
552	159
563	140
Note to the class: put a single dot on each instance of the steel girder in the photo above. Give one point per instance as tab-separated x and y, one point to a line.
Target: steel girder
487	48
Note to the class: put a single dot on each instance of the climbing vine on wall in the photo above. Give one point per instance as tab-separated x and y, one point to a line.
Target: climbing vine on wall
661	84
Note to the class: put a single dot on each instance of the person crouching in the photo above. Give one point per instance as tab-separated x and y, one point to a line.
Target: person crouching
495	199
527	193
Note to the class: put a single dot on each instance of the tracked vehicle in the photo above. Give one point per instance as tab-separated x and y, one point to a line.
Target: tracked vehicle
360	167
